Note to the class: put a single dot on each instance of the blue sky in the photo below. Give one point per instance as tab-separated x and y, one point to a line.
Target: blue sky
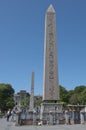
22	42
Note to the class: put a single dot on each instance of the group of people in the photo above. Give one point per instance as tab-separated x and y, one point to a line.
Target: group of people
10	115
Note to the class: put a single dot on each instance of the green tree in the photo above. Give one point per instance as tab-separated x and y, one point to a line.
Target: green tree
70	93
82	97
63	95
79	89
78	95
37	102
6	97
25	102
74	99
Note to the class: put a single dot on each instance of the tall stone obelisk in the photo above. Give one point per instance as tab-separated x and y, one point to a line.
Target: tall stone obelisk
50	83
50	108
32	94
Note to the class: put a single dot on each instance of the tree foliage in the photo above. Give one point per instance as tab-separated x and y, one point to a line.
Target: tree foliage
79	89
25	102
6	97
76	96
63	95
37	102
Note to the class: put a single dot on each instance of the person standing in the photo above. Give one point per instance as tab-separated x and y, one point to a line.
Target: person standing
8	114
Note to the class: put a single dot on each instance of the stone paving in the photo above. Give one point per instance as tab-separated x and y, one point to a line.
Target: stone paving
4	125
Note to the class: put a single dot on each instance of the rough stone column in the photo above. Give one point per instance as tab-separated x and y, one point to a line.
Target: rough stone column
32	94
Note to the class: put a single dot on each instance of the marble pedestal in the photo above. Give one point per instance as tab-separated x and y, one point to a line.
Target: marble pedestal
28	118
51	113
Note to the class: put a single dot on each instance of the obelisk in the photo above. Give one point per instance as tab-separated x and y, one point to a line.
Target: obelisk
32	93
50	83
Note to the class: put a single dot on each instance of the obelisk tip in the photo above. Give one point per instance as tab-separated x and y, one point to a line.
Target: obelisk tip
51	8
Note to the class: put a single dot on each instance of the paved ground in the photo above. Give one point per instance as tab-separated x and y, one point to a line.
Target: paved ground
4	125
